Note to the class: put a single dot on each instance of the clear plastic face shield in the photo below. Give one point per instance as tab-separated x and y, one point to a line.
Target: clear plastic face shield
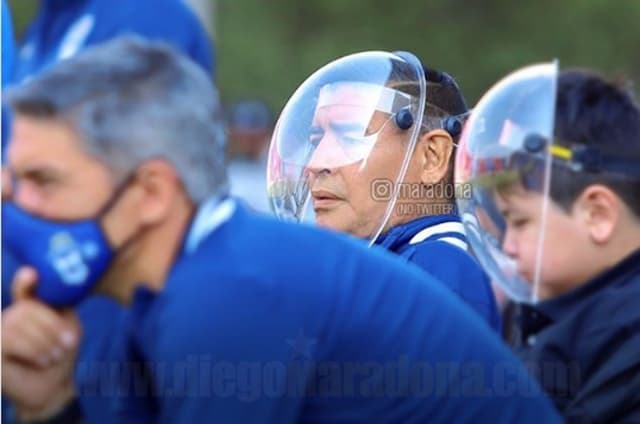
344	140
506	157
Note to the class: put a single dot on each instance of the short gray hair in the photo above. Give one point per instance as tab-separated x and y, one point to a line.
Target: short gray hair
132	100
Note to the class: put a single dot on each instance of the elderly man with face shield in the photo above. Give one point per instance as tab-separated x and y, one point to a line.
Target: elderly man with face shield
554	160
366	146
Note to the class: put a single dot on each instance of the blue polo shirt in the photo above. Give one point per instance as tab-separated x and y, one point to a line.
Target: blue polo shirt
266	322
439	245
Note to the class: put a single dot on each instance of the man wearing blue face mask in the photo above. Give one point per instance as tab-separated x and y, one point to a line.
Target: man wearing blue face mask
60	30
118	158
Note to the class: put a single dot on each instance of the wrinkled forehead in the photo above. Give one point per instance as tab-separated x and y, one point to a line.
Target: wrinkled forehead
363	95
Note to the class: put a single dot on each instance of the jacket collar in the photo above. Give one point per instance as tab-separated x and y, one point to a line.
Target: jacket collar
447	228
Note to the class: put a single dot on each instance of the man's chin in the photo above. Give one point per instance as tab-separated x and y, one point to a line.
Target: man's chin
325	219
334	222
331	220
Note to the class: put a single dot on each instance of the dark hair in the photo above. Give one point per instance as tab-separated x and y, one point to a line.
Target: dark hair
594	113
444	99
443	93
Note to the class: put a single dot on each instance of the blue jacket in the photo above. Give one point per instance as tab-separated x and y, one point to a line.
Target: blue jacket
64	27
438	245
266	322
584	346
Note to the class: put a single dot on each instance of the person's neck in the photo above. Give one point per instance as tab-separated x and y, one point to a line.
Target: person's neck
409	210
625	242
147	260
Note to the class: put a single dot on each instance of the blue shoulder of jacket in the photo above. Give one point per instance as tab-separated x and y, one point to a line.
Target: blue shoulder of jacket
442	256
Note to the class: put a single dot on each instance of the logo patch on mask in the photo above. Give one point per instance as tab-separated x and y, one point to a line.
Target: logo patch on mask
67	258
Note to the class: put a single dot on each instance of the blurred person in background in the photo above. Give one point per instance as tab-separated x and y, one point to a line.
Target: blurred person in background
249	126
61	29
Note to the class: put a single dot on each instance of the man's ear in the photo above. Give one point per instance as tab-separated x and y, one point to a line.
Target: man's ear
159	187
147	200
434	151
599	209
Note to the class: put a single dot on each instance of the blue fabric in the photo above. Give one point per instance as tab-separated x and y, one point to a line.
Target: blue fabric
453	266
67	26
9	262
260	325
8	56
8	44
96	374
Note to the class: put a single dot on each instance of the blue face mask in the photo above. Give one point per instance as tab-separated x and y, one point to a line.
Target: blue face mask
70	257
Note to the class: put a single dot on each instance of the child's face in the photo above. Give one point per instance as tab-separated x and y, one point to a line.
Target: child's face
565	247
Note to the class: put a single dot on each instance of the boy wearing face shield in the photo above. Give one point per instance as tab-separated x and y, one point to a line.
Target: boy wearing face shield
558	156
375	160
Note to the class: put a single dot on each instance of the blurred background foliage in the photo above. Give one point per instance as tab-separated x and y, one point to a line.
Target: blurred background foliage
266	48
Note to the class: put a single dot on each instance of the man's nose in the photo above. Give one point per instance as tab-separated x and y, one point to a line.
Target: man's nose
327	155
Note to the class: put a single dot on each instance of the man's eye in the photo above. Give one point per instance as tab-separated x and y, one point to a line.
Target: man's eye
353	137
315	138
42	182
